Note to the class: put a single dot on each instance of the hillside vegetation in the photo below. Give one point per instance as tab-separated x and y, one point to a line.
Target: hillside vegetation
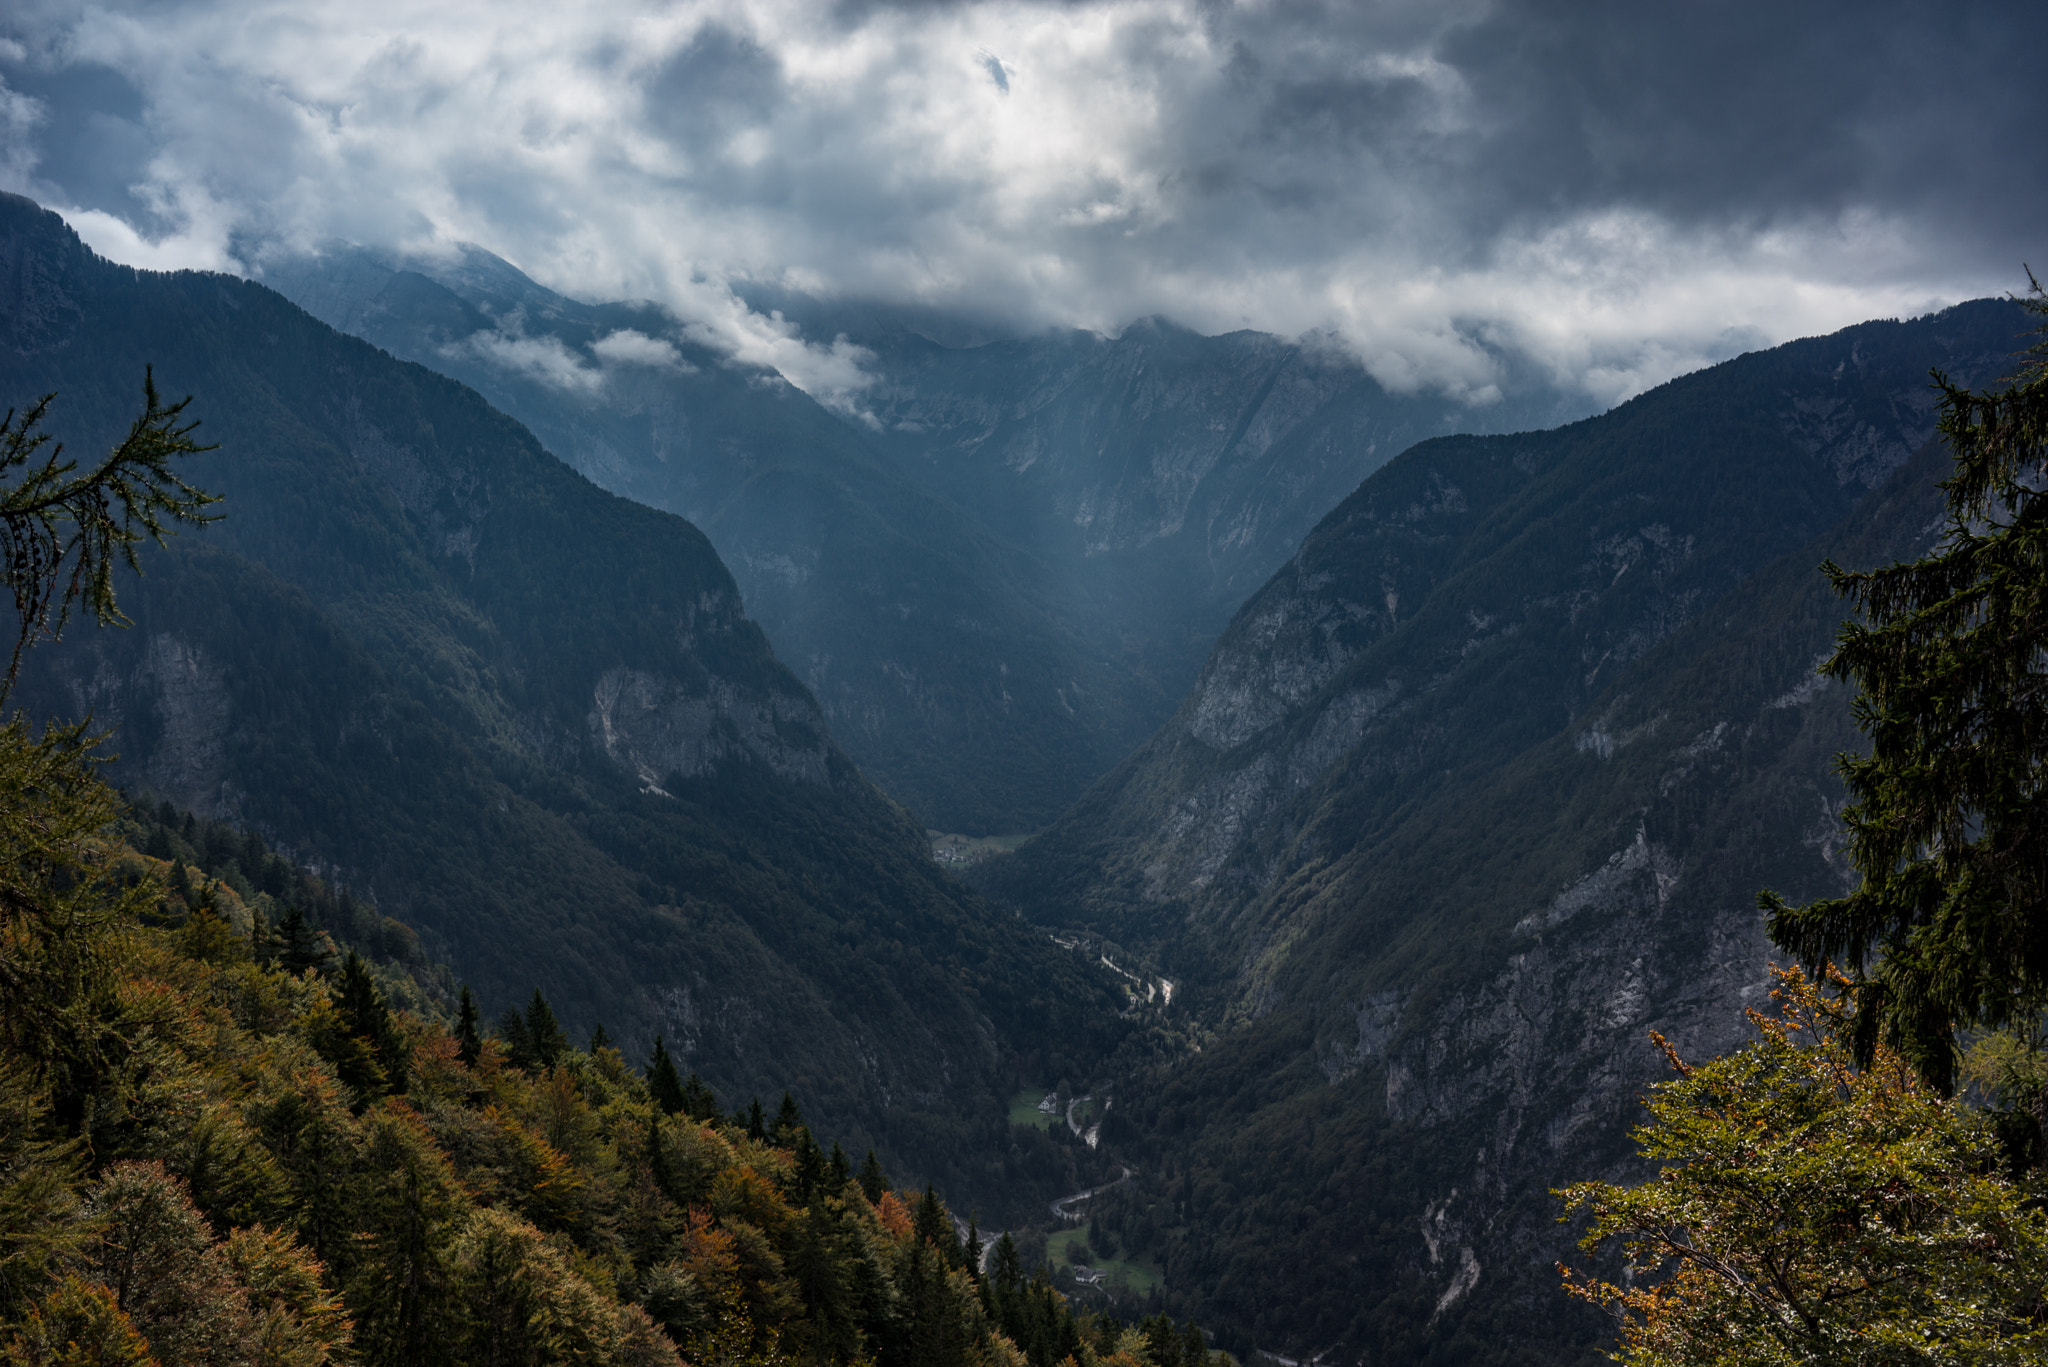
527	718
221	1143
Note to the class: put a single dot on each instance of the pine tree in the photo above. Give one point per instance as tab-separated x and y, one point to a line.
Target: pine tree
757	1122
366	1017
299	945
599	1039
1949	826
788	1120
838	1173
872	1181
545	1039
662	1082
699	1102
469	1045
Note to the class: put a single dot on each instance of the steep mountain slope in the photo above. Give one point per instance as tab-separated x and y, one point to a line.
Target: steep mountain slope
525	715
1168	472
1002	574
952	666
1477	790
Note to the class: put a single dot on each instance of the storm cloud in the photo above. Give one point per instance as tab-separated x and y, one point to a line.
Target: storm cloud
1609	192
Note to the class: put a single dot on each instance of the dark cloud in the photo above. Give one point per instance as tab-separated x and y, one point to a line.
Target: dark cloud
1605	190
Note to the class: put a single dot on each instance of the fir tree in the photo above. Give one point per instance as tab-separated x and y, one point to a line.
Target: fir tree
299	947
788	1120
756	1121
545	1040
518	1043
662	1082
699	1102
366	1017
1949	826
872	1181
931	1226
469	1045
62	533
599	1039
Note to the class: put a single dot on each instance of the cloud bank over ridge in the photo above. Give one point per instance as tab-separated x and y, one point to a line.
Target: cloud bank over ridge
1611	193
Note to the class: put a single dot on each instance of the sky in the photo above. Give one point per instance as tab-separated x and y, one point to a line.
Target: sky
1605	194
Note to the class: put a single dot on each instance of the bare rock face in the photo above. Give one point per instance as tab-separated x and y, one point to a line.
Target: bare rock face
652	727
1478	791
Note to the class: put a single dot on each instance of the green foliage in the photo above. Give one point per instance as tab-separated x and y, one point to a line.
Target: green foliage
1811	1210
63	532
1949	826
662	1082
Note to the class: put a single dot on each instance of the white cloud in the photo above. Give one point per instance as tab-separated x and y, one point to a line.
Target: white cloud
544	359
628	347
1435	184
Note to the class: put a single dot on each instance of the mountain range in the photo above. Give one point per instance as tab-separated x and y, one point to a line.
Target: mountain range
999	565
1396	783
1471	796
526	717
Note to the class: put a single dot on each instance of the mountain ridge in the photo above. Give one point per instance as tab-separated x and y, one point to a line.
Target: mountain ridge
1478	789
527	716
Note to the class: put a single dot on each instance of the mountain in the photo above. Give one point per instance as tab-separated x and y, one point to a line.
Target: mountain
944	658
1471	795
1001	567
525	716
1166	473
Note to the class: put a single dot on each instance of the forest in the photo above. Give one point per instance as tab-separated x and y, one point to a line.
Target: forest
243	1121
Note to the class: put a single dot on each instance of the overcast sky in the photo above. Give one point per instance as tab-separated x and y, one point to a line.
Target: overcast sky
1616	191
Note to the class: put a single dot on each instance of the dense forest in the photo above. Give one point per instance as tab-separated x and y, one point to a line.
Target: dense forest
243	1121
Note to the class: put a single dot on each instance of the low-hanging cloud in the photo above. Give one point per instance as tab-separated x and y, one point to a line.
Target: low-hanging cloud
1610	192
630	347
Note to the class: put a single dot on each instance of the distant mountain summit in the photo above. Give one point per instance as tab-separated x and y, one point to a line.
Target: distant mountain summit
1000	574
527	716
1478	789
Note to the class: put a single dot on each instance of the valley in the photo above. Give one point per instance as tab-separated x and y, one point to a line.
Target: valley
1392	769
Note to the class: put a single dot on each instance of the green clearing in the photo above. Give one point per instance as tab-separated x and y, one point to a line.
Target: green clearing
1141	1277
1024	1108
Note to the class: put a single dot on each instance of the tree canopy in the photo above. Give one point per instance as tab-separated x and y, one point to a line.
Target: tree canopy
1811	1211
1949	820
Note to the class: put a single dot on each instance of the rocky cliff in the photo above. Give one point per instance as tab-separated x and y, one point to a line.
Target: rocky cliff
1476	791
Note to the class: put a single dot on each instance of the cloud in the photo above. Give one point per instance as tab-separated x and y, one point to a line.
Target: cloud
544	359
1602	190
627	347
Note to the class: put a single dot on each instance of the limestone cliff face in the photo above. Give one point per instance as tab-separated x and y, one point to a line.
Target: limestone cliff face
1198	461
653	728
1480	788
1477	595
